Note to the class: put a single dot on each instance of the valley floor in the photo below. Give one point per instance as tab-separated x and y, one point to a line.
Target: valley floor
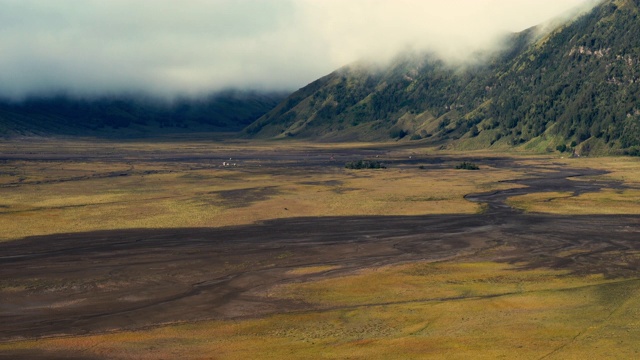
234	250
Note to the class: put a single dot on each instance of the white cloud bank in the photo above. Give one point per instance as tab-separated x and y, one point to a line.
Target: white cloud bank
191	47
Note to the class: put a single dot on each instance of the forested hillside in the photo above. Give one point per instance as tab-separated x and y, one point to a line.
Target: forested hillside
576	86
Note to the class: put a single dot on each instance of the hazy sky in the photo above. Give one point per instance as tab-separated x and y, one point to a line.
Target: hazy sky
168	47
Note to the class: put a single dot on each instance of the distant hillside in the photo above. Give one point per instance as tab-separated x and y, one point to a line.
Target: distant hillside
576	86
127	116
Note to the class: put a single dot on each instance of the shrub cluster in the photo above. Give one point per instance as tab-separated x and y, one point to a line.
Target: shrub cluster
467	166
365	164
633	151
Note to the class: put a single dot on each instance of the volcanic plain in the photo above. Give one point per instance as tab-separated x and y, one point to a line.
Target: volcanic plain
235	250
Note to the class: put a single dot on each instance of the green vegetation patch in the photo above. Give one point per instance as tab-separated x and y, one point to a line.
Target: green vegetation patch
365	164
467	166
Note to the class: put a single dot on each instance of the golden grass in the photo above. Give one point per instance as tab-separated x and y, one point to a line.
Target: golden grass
446	310
625	169
312	270
508	313
427	282
68	196
603	202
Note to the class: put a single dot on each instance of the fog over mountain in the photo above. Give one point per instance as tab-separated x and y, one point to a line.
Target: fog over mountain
161	47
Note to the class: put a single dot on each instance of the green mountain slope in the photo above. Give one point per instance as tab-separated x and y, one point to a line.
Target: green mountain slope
130	116
580	84
576	85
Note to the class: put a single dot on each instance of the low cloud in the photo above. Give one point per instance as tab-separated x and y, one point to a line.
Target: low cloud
193	47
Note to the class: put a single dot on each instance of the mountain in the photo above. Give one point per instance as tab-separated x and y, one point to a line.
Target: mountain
134	116
576	86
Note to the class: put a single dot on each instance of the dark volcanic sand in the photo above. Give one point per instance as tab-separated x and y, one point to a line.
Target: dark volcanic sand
72	284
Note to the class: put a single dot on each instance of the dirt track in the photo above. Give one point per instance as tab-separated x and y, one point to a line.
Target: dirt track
127	279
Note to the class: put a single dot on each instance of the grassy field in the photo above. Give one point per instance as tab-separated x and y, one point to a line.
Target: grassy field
123	186
625	170
464	307
604	202
474	310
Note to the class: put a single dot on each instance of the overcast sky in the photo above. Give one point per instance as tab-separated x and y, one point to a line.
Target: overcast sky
192	47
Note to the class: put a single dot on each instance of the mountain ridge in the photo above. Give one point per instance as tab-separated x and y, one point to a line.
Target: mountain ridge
577	86
117	116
